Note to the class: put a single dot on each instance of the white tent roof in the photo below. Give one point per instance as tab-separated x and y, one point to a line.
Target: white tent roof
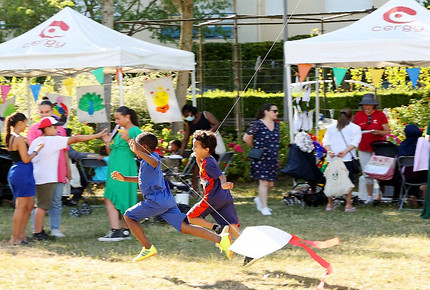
396	34
69	43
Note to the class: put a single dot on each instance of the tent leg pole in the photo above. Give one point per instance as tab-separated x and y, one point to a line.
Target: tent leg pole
28	101
289	101
317	99
120	83
193	87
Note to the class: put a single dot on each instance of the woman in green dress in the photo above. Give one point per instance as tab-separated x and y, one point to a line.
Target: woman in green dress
119	196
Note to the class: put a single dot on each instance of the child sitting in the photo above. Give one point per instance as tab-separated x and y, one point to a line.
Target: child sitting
101	172
159	200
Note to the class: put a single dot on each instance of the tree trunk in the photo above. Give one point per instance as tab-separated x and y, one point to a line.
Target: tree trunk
186	8
107	20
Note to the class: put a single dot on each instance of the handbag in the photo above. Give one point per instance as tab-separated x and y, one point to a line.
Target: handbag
356	166
337	180
380	167
255	153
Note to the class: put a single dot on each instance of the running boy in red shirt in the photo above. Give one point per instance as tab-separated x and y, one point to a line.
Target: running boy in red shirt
217	200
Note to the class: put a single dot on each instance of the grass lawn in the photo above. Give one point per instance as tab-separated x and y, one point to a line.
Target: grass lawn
381	249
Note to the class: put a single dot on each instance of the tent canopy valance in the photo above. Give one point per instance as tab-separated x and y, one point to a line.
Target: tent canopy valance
69	43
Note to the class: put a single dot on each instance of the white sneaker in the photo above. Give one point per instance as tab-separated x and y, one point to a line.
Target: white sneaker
57	233
258	203
369	200
266	211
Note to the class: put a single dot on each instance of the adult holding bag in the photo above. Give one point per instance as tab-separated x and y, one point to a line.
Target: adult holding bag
263	138
340	141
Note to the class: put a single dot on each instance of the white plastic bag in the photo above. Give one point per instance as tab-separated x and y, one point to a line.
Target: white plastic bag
337	180
220	146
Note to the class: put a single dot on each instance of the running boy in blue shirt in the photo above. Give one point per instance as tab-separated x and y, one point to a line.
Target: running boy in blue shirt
217	200
159	200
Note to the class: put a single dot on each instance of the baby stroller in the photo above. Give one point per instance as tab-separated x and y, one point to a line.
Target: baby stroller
309	180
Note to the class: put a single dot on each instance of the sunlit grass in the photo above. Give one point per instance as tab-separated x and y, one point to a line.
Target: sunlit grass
381	249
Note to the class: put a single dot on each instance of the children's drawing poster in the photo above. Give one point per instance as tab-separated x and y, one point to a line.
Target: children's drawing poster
161	100
61	107
6	109
91	104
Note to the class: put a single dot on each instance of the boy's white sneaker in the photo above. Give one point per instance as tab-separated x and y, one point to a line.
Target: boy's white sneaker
266	211
57	233
258	203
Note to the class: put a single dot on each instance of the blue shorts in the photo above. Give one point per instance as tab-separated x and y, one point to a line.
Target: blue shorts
160	203
225	214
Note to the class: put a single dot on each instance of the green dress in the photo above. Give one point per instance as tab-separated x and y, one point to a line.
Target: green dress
426	210
122	194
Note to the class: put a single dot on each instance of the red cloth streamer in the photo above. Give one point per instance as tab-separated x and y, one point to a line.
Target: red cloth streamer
296	241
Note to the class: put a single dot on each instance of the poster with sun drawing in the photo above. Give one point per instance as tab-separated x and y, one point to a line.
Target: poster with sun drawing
91	107
161	100
6	109
61	107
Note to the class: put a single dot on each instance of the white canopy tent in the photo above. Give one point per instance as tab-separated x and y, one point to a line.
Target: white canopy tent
69	43
396	34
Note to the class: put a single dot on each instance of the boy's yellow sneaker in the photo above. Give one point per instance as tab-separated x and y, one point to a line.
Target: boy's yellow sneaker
145	253
225	242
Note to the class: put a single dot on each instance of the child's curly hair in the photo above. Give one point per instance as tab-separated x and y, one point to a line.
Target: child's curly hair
206	138
149	139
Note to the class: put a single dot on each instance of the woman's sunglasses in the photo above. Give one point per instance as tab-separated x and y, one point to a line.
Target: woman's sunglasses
369	119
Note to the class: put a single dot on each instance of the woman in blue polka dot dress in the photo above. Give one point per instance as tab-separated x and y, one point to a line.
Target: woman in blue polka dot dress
263	134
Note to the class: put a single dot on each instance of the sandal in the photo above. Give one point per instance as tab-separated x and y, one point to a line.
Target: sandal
328	208
350	209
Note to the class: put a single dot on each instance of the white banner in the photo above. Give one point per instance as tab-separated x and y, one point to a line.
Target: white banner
161	100
61	107
6	109
91	108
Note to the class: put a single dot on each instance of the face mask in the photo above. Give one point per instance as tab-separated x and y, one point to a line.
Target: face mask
190	118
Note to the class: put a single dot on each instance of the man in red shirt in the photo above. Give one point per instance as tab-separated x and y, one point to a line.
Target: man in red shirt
374	126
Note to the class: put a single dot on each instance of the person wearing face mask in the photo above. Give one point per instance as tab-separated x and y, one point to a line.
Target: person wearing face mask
194	121
374	126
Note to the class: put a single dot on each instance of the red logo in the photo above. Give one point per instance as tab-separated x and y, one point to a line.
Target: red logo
399	15
55	29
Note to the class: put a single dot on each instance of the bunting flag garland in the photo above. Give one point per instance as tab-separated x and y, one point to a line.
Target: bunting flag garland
4	91
304	69
376	75
68	83
413	74
161	100
99	74
35	89
339	74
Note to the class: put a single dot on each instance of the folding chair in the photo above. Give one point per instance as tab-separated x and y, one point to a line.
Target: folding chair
88	165
406	186
224	161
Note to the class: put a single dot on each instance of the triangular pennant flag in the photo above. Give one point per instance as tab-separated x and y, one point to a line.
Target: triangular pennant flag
304	69
413	74
98	73
68	83
339	74
119	71
35	89
376	75
4	91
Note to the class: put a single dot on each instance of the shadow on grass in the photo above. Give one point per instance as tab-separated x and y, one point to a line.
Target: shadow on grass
226	284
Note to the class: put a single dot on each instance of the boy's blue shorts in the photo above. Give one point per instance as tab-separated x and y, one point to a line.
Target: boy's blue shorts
162	204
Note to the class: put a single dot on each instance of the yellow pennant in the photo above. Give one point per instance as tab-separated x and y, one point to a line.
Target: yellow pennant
376	75
68	83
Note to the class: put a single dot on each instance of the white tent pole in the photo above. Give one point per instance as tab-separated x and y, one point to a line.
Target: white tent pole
121	94
317	99
193	87
289	101
28	101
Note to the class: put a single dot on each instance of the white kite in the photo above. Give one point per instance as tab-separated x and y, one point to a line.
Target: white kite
250	241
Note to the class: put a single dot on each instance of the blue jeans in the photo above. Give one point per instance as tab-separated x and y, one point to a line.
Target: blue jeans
56	207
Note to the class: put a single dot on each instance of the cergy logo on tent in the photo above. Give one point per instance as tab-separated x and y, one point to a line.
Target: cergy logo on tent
399	18
51	35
